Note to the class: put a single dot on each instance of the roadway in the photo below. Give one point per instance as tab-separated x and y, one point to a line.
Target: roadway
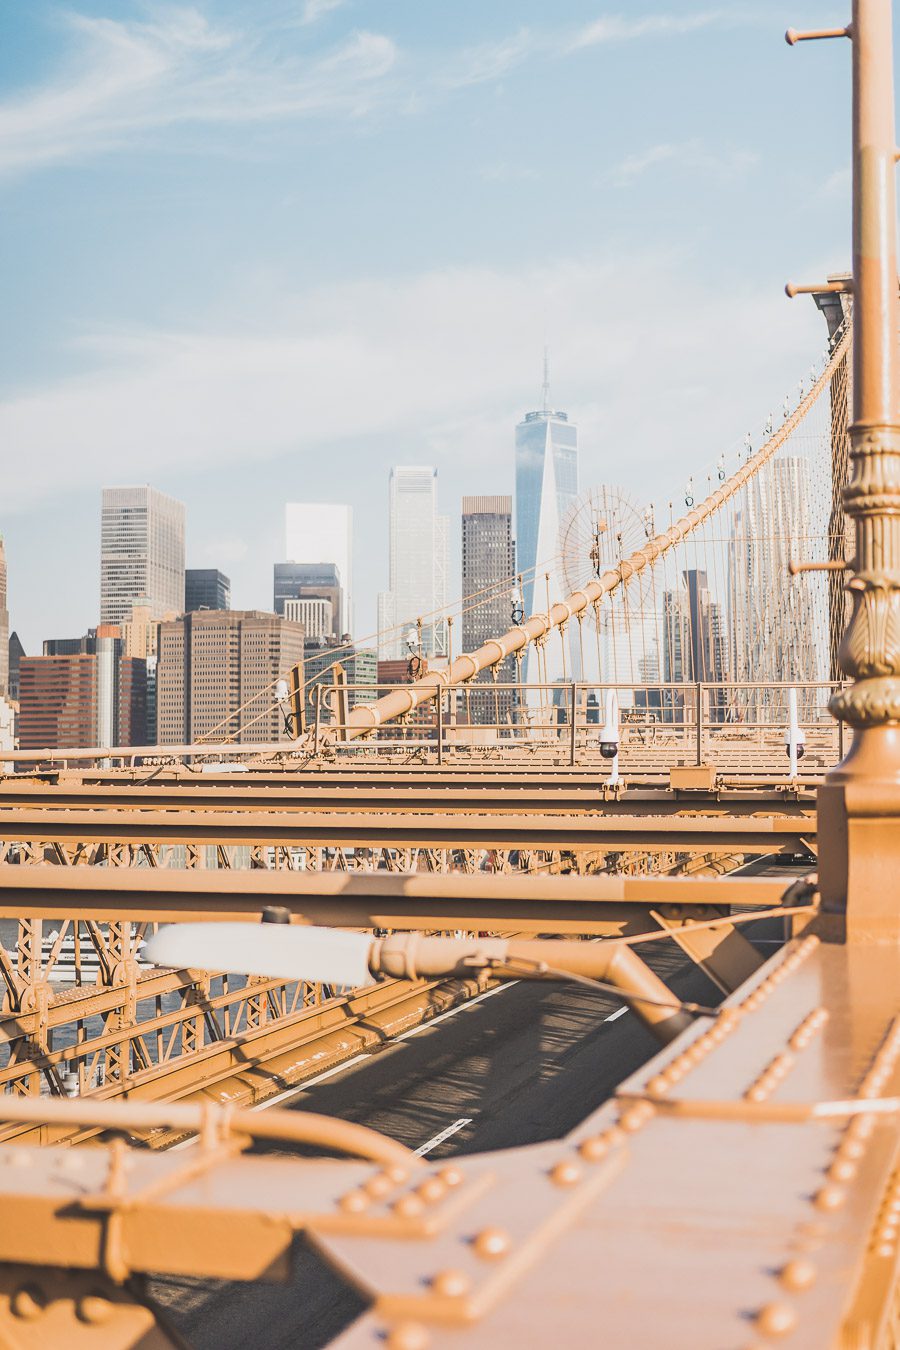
522	1064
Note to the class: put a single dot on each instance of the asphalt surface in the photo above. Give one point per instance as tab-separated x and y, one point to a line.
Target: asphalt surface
524	1064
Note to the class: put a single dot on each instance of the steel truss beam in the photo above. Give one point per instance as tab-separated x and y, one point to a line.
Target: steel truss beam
684	833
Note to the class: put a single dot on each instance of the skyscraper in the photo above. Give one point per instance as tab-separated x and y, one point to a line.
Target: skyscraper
418	565
488	569
206	588
141	553
4	626
216	673
310	581
546	486
322	532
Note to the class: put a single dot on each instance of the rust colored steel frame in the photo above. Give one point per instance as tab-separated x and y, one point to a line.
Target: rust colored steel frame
393	900
197	795
437	830
239	1047
520	1246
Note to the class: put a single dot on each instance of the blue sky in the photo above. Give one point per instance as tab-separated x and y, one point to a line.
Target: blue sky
261	251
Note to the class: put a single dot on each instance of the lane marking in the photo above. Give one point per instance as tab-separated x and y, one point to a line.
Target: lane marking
612	1016
460	1007
311	1082
444	1134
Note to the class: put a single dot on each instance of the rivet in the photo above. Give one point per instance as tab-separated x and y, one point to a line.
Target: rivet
886	1250
431	1190
408	1206
658	1085
776	1319
407	1336
378	1185
635	1116
451	1176
851	1148
451	1283
354	1202
829	1197
492	1243
397	1174
613	1135
565	1173
94	1309
798	1275
593	1149
842	1169
28	1302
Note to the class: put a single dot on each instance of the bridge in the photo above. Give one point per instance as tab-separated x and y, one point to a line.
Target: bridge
490	1010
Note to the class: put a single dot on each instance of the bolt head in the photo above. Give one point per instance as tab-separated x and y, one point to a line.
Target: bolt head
94	1309
776	1319
565	1173
407	1336
451	1283
28	1302
492	1243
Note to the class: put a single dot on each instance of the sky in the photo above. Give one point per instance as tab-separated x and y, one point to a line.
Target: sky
255	252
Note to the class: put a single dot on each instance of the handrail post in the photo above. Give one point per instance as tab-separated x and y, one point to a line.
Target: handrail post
572	728
318	718
440	727
699	727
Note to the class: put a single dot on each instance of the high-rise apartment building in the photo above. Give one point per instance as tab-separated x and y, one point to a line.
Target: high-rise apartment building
4	625
417	565
141	553
316	616
83	692
322	533
310	581
216	673
206	588
488	569
546	487
57	702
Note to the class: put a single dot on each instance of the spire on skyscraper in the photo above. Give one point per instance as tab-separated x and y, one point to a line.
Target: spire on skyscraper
546	384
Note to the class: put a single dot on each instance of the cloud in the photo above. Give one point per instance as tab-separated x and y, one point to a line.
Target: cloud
689	156
617	28
331	372
317	9
492	60
127	80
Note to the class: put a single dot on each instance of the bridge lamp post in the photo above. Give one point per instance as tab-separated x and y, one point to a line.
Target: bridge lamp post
859	803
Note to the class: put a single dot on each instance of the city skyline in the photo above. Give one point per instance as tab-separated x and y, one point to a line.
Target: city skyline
233	343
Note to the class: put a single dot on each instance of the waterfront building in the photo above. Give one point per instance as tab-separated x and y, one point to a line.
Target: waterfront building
141	553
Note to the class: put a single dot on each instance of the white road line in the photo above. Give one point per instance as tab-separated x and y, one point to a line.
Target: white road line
368	1055
311	1082
612	1016
444	1134
460	1007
